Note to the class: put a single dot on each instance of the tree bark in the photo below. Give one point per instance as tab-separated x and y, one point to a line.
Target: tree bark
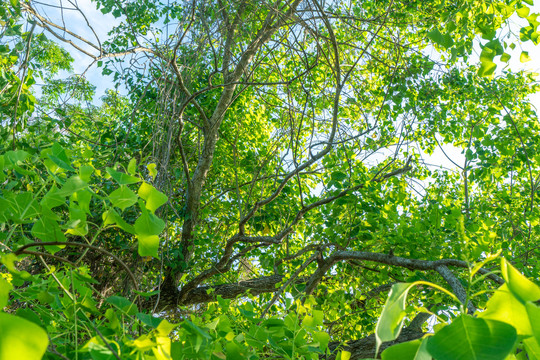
365	348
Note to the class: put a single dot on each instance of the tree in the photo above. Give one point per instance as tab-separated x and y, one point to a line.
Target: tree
264	182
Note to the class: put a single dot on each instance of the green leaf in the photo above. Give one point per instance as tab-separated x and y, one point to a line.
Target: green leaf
149	320
85	172
338	176
444	40
164	328
533	312
123	304
524	57
487	66
149	224
52	199
146	294
523	11
46	230
234	352
72	185
194	329
532	347
504	306
20	207
111	217
110	315
121	178
343	355
318	317
322	338
58	162
411	350
83	198
2	175
505	57
123	197
9	261
392	317
132	166
147	228
468	338
153	198
60	158
152	170
16	157
29	315
21	339
524	289
5	288
77	225
148	245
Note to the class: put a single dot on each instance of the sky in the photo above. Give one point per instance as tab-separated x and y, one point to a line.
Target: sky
74	21
103	23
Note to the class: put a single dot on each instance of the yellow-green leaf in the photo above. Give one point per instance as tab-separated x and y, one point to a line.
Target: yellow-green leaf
504	306
523	11
524	289
153	198
21	339
5	288
152	170
524	57
123	197
505	57
132	166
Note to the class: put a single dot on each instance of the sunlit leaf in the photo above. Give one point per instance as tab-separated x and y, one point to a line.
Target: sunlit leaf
21	339
152	170
153	198
123	197
524	57
504	306
524	289
5	288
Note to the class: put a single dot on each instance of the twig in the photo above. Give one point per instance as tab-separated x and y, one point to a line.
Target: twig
126	268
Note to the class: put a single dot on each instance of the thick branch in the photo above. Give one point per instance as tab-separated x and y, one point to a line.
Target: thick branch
173	297
365	348
411	264
456	286
208	293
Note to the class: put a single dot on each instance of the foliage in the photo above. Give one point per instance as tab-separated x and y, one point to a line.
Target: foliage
262	175
493	334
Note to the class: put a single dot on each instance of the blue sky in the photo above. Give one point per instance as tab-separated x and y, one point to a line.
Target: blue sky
102	24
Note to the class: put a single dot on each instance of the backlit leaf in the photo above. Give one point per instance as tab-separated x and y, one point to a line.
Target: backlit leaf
519	285
21	339
392	317
153	198
123	197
